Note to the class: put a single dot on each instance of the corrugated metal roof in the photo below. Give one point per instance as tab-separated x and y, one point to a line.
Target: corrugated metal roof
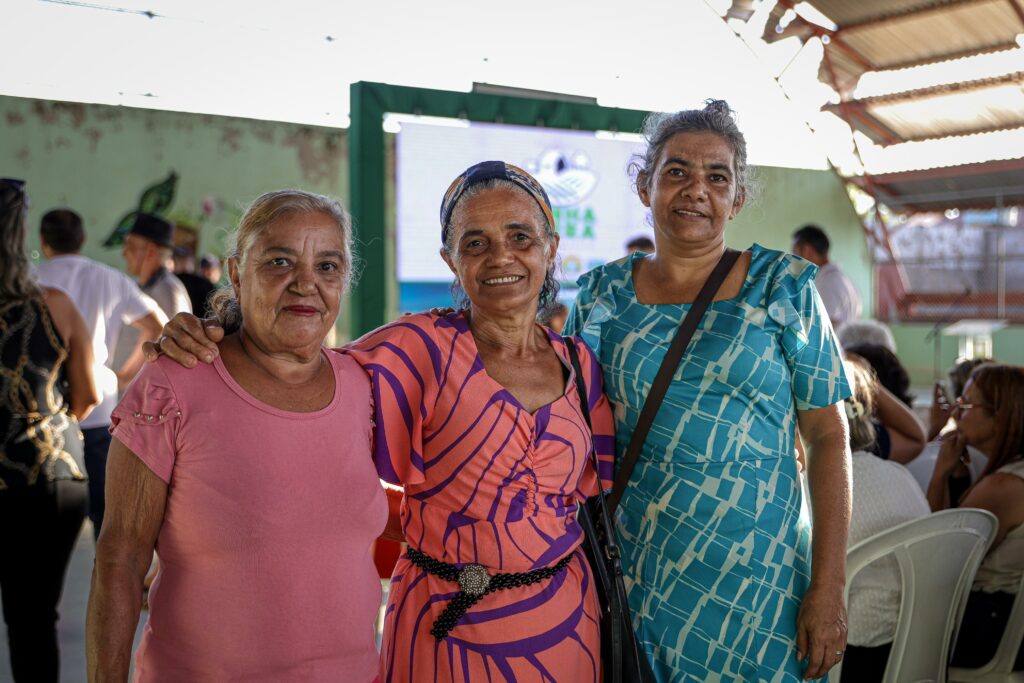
976	116
979	186
954	109
879	34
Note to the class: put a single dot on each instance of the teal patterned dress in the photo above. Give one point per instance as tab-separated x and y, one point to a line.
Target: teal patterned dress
717	553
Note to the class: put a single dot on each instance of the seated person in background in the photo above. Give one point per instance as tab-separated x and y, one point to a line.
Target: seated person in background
899	435
884	495
989	416
553	315
640	243
867	331
942	404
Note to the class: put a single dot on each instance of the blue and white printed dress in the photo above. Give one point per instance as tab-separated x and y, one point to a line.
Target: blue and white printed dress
717	555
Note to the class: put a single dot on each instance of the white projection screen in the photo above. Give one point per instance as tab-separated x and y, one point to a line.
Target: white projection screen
585	175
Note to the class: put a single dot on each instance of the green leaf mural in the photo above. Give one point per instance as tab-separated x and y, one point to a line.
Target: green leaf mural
156	199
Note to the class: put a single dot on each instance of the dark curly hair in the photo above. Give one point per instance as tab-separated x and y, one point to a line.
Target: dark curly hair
890	372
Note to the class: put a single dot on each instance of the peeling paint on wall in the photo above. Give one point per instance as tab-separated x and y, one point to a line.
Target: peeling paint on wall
320	157
90	157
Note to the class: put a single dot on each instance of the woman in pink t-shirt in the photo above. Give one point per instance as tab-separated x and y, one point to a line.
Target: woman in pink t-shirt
254	480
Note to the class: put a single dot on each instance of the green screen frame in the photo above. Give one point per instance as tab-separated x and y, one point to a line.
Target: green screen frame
367	179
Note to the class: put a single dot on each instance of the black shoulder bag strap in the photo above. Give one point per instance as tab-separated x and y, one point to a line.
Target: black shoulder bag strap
668	368
610	577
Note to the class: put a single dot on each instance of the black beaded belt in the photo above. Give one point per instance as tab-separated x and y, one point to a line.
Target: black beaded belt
475	583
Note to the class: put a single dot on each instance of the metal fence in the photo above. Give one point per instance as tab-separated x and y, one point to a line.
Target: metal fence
950	271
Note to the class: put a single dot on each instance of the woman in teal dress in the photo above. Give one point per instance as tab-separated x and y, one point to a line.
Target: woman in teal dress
721	578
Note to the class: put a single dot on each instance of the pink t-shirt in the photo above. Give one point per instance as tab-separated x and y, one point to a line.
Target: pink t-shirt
266	571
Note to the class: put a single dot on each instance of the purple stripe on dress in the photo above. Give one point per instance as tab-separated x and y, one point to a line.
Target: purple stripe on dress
547	539
423	495
428	343
541	419
458	396
544	673
404	357
532	644
381	452
604	444
560	547
481	613
496	398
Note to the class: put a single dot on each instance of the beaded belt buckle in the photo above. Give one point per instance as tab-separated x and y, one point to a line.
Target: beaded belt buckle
474	583
474	580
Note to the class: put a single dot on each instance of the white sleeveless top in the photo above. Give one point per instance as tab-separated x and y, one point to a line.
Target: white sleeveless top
1002	569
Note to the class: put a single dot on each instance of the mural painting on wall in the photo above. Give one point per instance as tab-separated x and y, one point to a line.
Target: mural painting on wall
155	199
158	198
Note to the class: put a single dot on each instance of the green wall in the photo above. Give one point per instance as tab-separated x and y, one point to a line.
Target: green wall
786	199
918	355
97	159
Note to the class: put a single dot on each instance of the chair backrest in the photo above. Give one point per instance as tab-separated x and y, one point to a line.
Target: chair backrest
938	556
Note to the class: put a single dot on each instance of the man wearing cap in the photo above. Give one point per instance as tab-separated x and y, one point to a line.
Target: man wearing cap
110	302
148	248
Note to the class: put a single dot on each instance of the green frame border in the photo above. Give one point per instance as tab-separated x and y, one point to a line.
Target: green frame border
367	181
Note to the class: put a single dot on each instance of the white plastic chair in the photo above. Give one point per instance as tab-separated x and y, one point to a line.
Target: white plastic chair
938	556
1000	668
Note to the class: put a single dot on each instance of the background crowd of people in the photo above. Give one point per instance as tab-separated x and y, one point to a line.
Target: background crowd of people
250	455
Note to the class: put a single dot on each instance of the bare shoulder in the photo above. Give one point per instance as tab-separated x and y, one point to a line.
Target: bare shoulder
61	307
1000	492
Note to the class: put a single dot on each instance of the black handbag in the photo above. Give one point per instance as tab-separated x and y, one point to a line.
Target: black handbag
622	655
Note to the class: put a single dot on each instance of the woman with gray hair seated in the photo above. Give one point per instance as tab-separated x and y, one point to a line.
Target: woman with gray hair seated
479	420
253	479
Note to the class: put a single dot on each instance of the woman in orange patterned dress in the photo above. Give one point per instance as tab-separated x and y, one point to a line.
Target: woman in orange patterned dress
478	418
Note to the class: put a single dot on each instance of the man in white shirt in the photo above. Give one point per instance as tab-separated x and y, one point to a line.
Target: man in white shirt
837	291
108	301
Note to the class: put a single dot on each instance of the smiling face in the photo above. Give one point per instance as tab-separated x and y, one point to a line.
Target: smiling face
692	190
500	250
290	281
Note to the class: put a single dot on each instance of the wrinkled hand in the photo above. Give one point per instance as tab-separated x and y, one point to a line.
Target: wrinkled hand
821	630
953	455
186	339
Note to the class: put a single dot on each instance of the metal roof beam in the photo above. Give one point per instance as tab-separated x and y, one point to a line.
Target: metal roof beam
982	168
920	10
944	89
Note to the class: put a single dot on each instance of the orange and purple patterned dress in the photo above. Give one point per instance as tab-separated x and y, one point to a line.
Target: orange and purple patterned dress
486	482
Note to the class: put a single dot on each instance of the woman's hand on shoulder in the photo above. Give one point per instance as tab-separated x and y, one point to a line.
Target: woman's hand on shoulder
186	339
821	630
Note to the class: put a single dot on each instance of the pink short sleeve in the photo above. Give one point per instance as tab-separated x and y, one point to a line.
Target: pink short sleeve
147	420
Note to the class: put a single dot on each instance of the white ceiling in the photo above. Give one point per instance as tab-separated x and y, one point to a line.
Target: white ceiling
294	61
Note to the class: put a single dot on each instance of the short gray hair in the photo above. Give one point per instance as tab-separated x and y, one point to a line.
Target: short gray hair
856	332
549	290
263	211
716	117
